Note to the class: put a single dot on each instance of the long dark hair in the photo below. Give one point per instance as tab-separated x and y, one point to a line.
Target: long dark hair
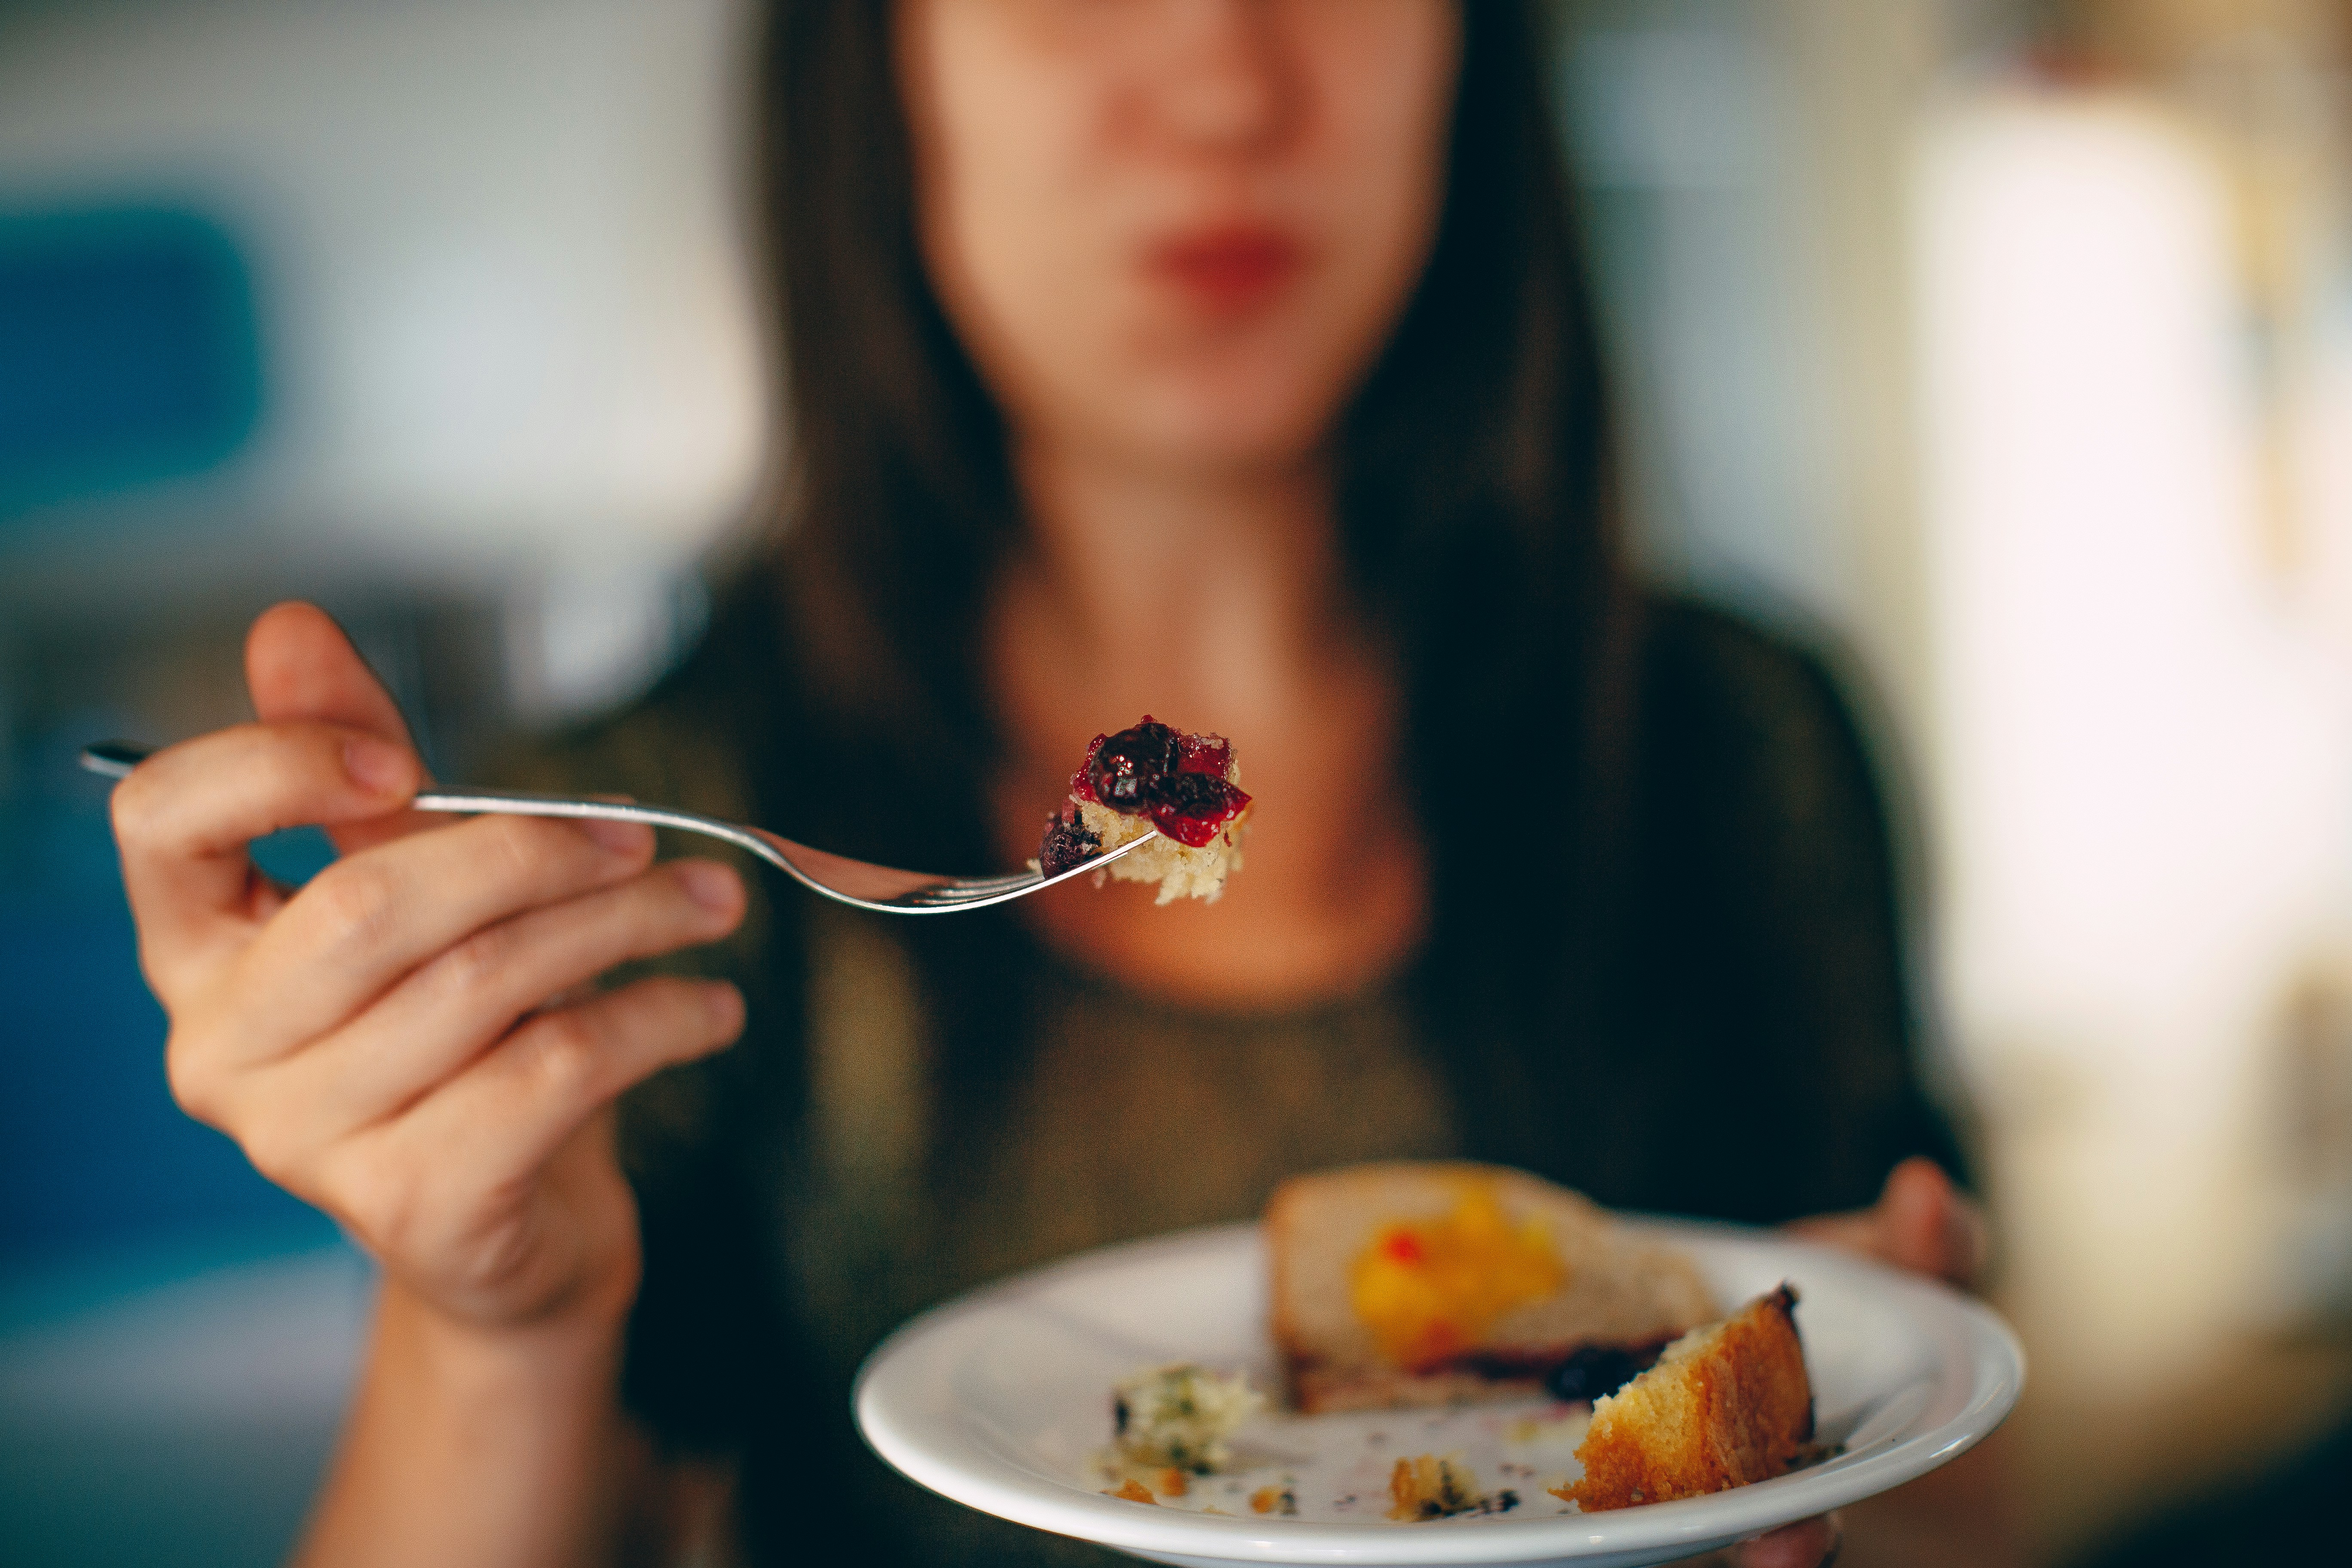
1473	503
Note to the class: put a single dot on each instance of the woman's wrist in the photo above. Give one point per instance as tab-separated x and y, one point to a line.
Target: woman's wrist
576	1347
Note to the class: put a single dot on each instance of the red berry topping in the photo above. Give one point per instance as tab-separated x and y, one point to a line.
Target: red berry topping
1181	781
1205	754
1191	807
1078	785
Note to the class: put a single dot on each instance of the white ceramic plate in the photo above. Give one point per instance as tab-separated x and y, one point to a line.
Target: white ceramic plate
1002	1400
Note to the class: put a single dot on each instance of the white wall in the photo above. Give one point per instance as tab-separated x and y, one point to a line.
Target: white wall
505	305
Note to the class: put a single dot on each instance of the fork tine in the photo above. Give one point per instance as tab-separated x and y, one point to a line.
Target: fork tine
992	884
955	895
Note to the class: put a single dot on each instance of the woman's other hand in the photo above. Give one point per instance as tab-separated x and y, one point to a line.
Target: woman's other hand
408	1041
1921	1223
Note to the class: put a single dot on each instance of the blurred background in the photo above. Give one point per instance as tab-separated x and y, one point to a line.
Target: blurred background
2001	347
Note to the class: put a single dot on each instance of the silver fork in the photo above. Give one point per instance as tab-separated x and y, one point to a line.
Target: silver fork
836	876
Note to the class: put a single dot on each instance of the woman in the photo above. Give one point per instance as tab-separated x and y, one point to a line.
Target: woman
1224	358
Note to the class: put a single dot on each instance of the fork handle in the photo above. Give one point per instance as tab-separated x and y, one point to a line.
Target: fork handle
115	758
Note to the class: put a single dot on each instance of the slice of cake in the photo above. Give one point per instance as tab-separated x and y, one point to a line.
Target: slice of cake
1153	779
1417	1284
1725	1405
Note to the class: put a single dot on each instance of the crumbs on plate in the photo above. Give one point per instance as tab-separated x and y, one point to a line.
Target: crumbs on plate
1428	1487
1181	1416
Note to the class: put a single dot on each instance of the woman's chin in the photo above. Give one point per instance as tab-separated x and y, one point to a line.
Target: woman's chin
1231	431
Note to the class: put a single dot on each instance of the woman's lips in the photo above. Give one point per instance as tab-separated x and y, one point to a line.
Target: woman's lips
1228	270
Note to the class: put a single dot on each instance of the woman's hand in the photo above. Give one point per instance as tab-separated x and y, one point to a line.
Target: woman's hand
407	1041
1922	1224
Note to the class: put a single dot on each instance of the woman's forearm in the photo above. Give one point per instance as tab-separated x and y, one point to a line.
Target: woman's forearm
466	1446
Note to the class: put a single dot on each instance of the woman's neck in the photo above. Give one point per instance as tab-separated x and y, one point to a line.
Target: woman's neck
1220	580
1213	603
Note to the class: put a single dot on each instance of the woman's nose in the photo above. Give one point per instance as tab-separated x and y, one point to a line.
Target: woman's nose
1224	79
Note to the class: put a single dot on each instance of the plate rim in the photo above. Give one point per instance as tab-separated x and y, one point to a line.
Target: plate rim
1988	1358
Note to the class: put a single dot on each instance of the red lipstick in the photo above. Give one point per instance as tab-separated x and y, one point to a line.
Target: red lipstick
1229	269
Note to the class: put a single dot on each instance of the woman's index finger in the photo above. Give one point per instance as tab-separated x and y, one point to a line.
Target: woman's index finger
300	665
302	668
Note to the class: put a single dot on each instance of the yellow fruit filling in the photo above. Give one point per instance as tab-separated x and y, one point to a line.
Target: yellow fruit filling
1430	1288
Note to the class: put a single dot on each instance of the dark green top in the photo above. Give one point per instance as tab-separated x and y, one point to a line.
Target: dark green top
856	1158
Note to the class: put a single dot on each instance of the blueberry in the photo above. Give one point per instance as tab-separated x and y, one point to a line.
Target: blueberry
1127	768
1196	795
1594	1372
1068	842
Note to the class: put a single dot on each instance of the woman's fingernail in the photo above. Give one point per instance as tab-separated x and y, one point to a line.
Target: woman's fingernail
712	887
620	837
377	766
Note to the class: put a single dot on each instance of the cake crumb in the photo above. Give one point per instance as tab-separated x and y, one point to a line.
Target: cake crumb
1180	1417
1133	1491
1428	1487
